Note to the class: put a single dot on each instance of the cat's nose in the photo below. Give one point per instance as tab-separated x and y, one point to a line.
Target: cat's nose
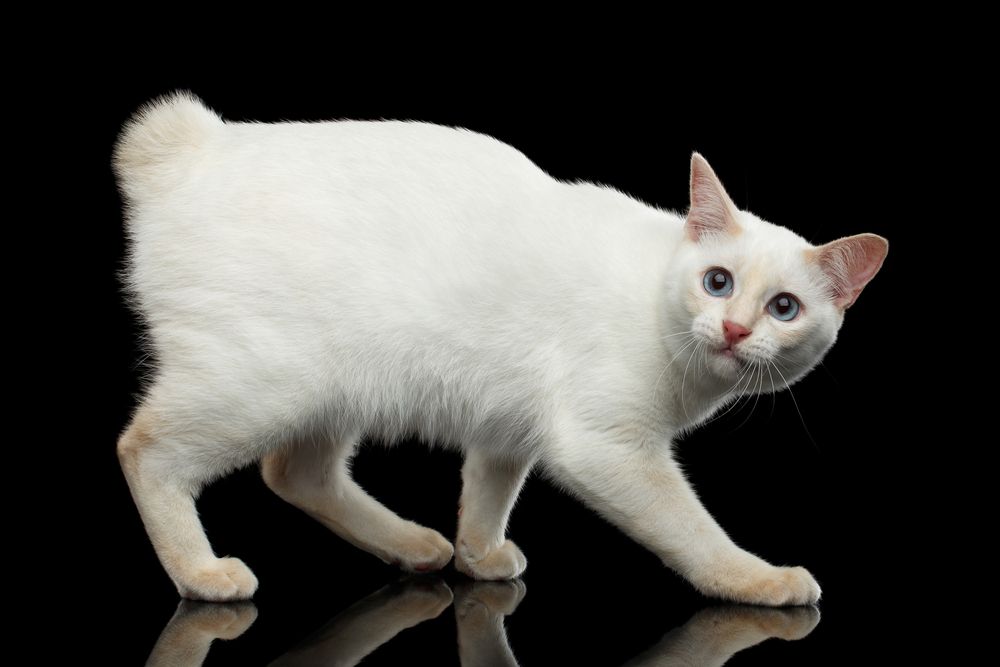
734	332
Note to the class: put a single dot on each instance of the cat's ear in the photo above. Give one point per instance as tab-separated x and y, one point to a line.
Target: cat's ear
712	211
849	264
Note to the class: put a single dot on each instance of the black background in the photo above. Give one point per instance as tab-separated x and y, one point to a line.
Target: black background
830	476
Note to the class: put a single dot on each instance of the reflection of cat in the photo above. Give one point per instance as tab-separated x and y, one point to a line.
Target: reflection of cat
711	637
307	284
188	636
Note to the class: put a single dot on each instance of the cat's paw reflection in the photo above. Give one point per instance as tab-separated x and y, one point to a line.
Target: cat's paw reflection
494	597
189	633
371	622
787	624
412	600
479	610
714	635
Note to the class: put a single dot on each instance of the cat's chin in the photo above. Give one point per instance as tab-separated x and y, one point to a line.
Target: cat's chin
727	363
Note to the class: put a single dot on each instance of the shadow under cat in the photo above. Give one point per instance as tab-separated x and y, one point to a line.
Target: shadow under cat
711	636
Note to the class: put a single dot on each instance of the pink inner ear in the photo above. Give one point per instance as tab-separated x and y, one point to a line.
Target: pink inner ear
712	211
850	263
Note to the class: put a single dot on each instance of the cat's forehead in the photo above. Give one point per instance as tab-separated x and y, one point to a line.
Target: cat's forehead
765	254
760	236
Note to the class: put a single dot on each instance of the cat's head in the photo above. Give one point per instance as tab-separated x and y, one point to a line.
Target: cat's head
762	305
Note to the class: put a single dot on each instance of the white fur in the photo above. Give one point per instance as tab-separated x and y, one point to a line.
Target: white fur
307	284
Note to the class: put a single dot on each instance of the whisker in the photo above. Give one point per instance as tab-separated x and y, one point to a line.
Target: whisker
693	339
736	391
774	394
679	333
796	404
832	377
760	379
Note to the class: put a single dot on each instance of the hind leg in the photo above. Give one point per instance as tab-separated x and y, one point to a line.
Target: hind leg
315	478
489	489
164	488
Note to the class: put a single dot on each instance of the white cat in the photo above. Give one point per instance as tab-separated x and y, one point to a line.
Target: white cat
307	284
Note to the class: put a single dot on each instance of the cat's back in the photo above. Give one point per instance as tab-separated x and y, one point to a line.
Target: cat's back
211	201
176	147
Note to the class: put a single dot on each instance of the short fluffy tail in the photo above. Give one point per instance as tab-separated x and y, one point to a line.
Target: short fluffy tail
158	142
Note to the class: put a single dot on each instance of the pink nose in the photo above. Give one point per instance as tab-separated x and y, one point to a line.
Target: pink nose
734	333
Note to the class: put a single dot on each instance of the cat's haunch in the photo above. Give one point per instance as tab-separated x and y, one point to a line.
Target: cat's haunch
305	285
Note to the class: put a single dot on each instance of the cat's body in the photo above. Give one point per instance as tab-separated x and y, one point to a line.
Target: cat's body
305	285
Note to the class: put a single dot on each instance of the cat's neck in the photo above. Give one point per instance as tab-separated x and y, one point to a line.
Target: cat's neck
688	393
691	402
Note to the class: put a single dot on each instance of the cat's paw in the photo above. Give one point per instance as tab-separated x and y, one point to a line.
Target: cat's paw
420	550
790	587
223	580
778	587
504	562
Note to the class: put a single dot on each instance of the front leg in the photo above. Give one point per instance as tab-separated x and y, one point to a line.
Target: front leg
489	489
642	490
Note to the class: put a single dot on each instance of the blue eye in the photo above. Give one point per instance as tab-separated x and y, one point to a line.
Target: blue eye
718	282
784	307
